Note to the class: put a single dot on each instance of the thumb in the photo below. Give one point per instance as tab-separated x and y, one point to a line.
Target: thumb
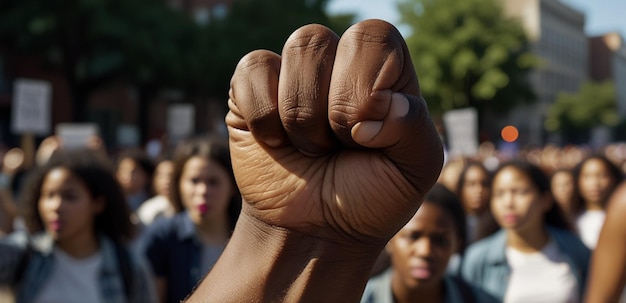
407	136
374	102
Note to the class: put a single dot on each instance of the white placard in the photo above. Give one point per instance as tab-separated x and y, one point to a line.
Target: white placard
31	107
180	120
76	135
462	131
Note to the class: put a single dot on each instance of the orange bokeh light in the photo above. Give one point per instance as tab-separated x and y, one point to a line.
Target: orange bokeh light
510	133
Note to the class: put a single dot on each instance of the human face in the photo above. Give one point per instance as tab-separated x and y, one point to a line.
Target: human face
67	208
130	175
562	186
420	251
516	203
475	190
205	189
595	182
162	177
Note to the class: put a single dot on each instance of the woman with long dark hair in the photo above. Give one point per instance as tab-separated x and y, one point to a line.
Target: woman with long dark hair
534	256
596	179
183	248
79	225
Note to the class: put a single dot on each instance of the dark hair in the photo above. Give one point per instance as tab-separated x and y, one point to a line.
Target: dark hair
97	175
463	175
212	148
579	203
561	170
553	217
143	161
442	197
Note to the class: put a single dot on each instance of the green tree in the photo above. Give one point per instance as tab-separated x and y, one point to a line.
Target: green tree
93	42
251	25
467	54
575	114
148	44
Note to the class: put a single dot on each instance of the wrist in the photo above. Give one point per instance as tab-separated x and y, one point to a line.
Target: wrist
267	263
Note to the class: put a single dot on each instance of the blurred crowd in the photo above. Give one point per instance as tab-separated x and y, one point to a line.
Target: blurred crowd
89	225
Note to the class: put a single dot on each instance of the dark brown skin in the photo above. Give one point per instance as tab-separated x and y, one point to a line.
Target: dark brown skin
608	262
333	150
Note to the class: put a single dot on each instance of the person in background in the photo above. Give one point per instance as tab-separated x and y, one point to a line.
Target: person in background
14	170
159	206
473	190
534	257
79	227
596	178
607	278
563	190
420	252
134	172
183	248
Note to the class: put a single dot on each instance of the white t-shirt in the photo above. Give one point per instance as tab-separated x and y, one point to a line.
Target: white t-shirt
72	280
539	277
589	225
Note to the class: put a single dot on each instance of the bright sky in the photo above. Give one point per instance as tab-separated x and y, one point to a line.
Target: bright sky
602	16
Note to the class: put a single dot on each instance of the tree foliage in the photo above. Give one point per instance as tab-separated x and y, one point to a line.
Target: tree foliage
145	38
149	44
467	54
595	104
91	42
251	25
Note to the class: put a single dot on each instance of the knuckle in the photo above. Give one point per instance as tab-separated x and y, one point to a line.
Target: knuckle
372	31
312	39
343	108
297	117
260	115
255	60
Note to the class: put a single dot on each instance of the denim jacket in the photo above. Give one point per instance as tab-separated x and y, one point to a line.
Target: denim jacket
40	264
378	290
485	264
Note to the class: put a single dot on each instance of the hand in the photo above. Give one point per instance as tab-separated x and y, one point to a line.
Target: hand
333	139
333	150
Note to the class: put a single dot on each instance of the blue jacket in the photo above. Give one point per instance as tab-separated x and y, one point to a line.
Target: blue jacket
378	290
485	264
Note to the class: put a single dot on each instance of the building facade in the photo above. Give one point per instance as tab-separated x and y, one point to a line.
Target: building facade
557	37
607	58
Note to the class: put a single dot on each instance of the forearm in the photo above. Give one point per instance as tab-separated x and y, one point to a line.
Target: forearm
267	264
607	276
608	264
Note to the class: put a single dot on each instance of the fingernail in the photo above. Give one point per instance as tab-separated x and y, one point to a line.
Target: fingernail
399	105
365	131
